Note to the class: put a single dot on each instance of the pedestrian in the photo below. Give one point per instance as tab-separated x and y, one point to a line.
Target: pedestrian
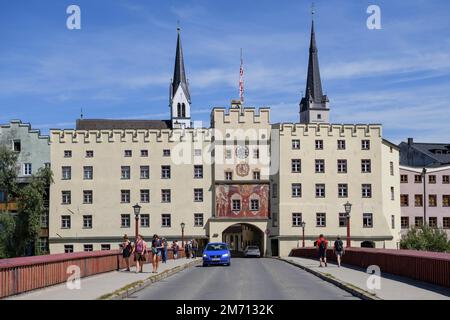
194	248
186	250
126	248
338	250
140	249
175	250
164	250
322	245
156	252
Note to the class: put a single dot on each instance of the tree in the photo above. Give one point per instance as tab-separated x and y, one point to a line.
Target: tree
425	238
8	173
7	228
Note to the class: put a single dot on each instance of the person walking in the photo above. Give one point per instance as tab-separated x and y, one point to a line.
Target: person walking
338	250
175	250
156	252
194	248
164	250
186	250
127	248
322	245
140	249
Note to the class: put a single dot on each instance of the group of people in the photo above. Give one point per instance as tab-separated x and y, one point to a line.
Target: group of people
322	247
159	249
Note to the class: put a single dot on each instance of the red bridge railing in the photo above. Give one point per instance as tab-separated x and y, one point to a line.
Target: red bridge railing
18	275
431	267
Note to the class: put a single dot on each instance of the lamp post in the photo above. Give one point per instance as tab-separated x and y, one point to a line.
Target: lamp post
424	172
303	233
348	209
182	233
137	211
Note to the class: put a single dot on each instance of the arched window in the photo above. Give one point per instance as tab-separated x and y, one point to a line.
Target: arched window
183	110
179	109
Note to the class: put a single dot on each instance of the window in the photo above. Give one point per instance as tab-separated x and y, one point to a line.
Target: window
165	220
66	173
145	196
365	144
125	221
446	222
432	200
228	154
403	178
68	248
88	173
197	152
65	222
88	247
392	221
366	190
125	173
296	190
165	172
198	172
321	220
296	165
254	205
145	220
341	144
342	166
198	219
274	219
87	197
418	221
342	190
228	175
432	179
66	197
296	144
256	175
106	247
67	154
367	220
89	154
166	153
418	200
44	220
446	179
391	168
27	170
446	200
87	222
256	153
296	219
343	220
392	193
165	195
404	222
320	191
128	153
236	205
198	195
274	190
432	222
144	153
319	116
417	178
125	196
404	200
320	166
319	144
17	146
43	245
145	172
366	166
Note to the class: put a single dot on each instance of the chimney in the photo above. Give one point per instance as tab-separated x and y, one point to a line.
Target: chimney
410	141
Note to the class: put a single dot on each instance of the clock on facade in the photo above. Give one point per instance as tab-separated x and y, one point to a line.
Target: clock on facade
241	152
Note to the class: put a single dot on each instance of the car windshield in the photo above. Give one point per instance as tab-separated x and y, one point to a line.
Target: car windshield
216	247
252	248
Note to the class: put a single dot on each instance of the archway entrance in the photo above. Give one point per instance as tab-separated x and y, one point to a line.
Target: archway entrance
367	244
240	235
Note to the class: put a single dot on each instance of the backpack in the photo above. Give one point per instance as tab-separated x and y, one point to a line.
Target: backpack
322	245
338	245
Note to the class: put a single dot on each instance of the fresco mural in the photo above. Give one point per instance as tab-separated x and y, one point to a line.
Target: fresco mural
245	193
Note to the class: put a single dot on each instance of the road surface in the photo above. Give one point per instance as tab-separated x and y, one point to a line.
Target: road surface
245	279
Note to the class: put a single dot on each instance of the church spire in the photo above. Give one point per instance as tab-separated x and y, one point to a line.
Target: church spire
314	105
179	74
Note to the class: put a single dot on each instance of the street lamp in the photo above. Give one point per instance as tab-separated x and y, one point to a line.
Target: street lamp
303	233
348	209
137	210
182	233
424	172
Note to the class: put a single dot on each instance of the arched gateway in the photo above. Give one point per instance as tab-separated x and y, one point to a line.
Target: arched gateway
240	235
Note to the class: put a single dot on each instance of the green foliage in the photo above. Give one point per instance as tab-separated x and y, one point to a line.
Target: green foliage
7	229
8	172
425	238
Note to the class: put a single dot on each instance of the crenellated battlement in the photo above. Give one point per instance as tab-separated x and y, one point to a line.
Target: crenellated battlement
331	130
222	117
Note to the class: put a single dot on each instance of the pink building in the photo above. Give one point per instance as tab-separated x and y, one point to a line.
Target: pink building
435	183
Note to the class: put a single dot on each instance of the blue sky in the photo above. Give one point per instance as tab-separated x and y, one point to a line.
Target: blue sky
120	63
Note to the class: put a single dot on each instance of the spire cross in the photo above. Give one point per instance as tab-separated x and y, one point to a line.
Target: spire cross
313	11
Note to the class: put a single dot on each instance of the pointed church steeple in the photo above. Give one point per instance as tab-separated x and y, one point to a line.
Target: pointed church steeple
314	105
180	98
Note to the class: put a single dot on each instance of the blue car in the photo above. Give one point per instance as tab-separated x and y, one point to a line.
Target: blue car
216	253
